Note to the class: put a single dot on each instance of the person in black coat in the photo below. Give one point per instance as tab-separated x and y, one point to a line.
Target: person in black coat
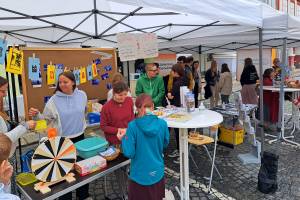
178	81
212	77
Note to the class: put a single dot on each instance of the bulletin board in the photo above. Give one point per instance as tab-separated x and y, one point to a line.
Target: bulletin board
71	59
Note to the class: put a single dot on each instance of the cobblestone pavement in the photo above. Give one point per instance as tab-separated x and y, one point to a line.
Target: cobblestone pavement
239	181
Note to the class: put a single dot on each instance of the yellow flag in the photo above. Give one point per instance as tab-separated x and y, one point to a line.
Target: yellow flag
94	70
51	74
82	75
15	61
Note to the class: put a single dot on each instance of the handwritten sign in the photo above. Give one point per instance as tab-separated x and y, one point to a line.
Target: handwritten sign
14	61
3	47
133	46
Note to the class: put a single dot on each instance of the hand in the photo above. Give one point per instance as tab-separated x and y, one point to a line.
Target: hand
121	133
6	171
31	124
170	95
33	112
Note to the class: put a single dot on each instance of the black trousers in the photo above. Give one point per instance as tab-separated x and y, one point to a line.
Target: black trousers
82	192
196	94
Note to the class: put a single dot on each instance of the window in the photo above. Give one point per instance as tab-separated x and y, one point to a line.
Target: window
298	10
292	8
284	6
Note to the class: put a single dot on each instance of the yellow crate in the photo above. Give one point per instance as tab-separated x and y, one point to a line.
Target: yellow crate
231	137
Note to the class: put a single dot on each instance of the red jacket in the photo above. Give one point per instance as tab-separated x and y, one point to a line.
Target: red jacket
114	116
271	99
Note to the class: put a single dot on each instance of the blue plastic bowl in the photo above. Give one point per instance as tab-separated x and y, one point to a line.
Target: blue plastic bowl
90	147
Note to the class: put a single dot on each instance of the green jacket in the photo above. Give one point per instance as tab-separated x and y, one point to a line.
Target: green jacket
153	87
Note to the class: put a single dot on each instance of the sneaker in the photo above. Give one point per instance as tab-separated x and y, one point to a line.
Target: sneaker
177	161
174	154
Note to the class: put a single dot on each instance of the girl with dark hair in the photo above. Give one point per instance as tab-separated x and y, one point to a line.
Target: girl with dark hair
248	81
197	80
225	83
144	142
65	111
271	99
12	133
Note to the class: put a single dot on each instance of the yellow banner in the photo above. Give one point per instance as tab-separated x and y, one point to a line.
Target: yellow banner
14	61
51	74
82	75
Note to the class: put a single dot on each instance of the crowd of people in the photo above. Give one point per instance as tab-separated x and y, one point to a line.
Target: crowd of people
133	126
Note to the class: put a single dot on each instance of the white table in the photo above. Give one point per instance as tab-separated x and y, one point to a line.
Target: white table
200	119
295	113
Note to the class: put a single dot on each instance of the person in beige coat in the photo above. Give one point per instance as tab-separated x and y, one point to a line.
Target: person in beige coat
225	83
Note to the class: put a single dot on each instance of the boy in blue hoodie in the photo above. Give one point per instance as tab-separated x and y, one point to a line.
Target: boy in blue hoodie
144	141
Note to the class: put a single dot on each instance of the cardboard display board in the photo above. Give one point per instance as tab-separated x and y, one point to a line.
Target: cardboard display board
71	59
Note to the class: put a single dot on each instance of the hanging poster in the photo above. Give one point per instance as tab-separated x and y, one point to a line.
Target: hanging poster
51	74
95	82
134	46
77	76
105	76
34	72
14	61
3	48
59	70
89	72
108	86
108	68
98	61
94	70
82	75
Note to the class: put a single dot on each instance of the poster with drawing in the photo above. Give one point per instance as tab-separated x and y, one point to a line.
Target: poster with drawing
134	46
34	72
51	75
3	48
14	61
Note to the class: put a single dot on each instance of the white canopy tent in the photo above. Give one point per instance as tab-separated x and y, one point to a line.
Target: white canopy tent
96	22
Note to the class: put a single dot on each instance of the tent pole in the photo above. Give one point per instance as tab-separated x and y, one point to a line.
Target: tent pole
261	114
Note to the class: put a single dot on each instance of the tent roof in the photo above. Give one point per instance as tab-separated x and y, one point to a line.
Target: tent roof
96	22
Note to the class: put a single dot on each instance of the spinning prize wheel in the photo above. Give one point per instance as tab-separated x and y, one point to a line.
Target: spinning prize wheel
53	159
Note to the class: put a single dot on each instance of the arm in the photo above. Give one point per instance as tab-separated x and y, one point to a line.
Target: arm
105	123
16	133
221	81
161	93
138	88
191	81
128	143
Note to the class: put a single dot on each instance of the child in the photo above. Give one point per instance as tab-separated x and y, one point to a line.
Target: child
271	99
6	170
145	139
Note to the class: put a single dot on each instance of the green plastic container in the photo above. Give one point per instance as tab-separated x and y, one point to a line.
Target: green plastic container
90	147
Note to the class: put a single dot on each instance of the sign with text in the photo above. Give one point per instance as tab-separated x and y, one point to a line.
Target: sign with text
134	46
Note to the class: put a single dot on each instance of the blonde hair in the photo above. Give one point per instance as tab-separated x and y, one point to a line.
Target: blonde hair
5	147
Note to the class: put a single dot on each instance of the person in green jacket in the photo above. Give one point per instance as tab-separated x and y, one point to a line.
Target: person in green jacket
152	84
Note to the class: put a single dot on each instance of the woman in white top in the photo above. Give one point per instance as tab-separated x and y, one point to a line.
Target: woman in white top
116	78
12	134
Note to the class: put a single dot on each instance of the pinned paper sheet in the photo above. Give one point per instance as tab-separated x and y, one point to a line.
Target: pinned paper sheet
41	125
82	75
59	70
77	76
89	72
105	76
108	68
50	74
34	72
94	70
14	61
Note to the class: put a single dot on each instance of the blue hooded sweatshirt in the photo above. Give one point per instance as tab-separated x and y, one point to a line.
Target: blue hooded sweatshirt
71	110
144	142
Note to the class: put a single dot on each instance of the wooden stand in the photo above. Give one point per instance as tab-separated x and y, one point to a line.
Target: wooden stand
44	187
